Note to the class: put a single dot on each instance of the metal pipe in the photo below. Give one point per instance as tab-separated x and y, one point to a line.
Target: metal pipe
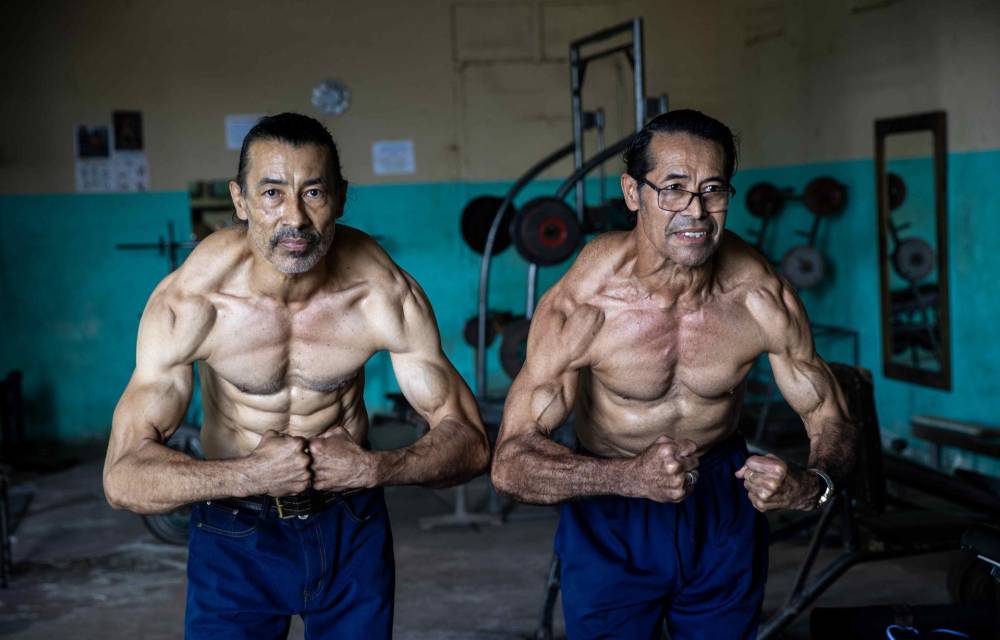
625	48
602	174
814	546
484	265
592	163
604	34
639	74
789	612
529	303
576	107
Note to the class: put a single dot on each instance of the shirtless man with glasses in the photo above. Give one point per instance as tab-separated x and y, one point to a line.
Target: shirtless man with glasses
649	337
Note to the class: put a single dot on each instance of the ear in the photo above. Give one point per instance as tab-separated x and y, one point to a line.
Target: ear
630	190
238	202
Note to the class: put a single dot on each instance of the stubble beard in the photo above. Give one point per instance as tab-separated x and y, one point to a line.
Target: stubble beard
295	262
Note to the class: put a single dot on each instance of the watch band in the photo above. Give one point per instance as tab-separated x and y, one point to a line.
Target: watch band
823	499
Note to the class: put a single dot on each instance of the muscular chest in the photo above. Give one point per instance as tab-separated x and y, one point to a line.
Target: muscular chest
651	354
261	347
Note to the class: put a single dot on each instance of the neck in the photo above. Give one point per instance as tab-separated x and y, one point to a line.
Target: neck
655	272
286	287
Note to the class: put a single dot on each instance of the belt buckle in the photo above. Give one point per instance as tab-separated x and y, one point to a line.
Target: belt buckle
281	510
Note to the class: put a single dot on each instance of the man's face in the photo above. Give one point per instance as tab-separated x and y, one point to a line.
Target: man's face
691	236
291	203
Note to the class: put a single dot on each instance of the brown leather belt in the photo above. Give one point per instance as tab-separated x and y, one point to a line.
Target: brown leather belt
299	505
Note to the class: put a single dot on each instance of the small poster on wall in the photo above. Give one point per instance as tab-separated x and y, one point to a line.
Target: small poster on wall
93	170
238	125
393	157
129	166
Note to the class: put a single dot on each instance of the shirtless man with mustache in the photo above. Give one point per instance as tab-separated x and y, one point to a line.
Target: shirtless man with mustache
281	313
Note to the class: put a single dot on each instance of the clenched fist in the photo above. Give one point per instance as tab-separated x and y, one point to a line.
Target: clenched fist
280	465
339	463
665	471
771	484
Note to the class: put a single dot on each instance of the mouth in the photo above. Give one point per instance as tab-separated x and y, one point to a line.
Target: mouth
294	245
692	236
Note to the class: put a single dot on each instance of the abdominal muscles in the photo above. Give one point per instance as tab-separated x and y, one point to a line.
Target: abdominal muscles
610	424
236	419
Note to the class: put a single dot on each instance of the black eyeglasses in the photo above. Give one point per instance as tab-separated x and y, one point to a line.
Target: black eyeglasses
674	199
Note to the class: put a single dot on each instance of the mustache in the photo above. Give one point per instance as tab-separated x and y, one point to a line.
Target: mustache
308	235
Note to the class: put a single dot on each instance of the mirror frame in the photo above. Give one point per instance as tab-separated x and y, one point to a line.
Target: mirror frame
936	123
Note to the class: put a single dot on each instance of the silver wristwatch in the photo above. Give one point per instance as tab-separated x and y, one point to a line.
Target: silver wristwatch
823	499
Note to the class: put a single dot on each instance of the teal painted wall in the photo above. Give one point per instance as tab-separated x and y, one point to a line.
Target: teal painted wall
851	296
71	302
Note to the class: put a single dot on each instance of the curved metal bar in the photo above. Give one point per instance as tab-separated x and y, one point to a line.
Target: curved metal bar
593	163
484	266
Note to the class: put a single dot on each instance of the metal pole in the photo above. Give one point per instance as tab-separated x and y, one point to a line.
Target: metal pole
529	303
576	88
484	265
638	74
602	173
591	164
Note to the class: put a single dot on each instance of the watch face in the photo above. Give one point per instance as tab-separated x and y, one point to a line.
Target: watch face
331	97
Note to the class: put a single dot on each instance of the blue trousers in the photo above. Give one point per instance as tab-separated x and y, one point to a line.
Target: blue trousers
248	574
628	564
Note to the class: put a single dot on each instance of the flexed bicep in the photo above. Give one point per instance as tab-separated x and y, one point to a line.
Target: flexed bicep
456	447
803	377
528	464
426	377
171	332
542	396
158	393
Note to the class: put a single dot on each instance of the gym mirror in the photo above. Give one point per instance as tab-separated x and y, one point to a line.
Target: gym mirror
910	180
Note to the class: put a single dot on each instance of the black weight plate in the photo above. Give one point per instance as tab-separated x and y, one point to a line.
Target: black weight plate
804	267
470	332
546	231
477	216
825	196
897	191
514	346
764	200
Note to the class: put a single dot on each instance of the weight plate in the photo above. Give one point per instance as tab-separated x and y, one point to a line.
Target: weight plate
897	191
913	259
764	200
470	331
546	231
477	216
804	267
825	196
514	346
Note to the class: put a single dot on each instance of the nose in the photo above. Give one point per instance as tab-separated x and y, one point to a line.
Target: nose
294	215
695	209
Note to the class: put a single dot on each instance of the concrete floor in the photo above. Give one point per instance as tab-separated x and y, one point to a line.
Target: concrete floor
83	570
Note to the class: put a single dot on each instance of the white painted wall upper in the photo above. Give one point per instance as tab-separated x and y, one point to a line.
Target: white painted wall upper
480	86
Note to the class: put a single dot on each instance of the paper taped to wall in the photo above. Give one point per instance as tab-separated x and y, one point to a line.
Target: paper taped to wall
393	157
238	125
